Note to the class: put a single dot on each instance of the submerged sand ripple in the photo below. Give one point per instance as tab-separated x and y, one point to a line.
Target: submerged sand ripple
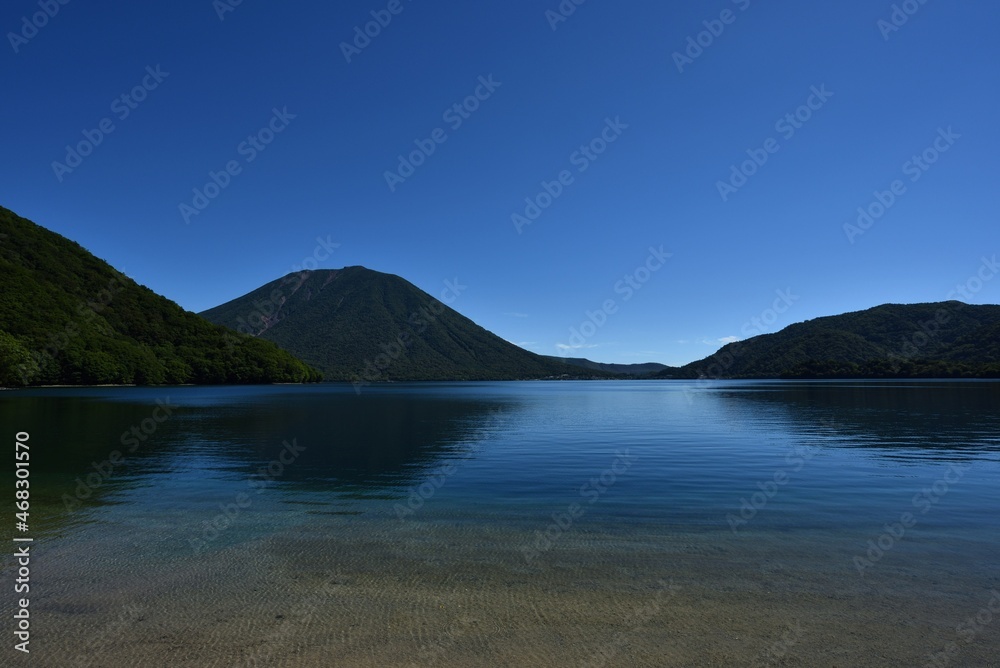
357	592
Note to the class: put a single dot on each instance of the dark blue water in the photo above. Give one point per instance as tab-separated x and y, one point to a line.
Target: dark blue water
845	481
844	453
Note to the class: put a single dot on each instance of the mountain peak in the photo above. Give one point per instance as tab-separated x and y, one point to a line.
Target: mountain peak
363	325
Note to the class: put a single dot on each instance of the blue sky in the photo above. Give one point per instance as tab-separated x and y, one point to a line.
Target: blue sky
641	138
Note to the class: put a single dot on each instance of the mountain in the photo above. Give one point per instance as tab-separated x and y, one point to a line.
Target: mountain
631	370
365	326
945	339
67	317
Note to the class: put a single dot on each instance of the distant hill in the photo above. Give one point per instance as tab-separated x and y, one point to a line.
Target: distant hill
945	339
365	326
67	317
632	370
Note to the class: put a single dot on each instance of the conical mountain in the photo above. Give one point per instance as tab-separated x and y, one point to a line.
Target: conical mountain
366	326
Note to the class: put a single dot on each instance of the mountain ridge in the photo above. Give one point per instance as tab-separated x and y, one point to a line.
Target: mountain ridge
640	370
69	318
866	343
940	339
364	326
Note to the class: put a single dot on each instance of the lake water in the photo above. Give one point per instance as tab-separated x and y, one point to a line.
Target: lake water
512	524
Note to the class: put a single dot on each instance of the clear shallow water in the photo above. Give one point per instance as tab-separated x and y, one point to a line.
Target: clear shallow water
738	490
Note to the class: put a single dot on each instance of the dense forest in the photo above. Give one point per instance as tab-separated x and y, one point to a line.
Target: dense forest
937	340
67	317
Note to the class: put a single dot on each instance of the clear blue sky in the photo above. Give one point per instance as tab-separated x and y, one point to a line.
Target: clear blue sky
323	176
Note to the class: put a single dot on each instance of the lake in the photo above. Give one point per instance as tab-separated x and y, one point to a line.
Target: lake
656	523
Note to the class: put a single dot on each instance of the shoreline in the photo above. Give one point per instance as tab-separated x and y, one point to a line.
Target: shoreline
534	380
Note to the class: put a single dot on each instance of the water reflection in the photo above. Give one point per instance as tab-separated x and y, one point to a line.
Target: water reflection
99	447
530	442
367	441
901	420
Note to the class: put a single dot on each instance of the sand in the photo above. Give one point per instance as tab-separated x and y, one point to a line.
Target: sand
356	592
